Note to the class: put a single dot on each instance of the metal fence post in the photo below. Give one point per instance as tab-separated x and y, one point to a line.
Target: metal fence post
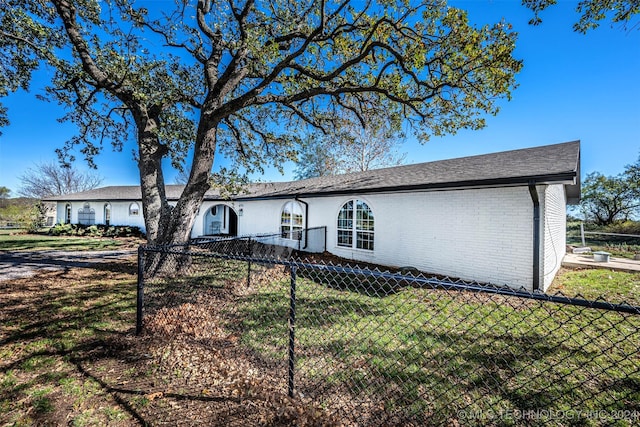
249	262
140	290
292	329
325	238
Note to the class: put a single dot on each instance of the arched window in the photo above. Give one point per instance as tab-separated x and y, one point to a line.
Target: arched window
291	221
86	215
107	214
355	225
134	209
67	214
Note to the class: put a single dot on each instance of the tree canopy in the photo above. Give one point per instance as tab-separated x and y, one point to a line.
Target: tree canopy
316	158
608	199
373	146
244	78
27	36
590	12
5	192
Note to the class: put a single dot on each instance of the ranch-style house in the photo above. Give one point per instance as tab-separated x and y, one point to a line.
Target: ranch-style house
497	218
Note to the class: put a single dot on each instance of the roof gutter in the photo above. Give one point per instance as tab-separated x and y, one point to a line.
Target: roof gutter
306	221
536	234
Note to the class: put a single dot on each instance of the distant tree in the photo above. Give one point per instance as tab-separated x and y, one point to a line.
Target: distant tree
591	12
34	217
607	199
22	212
52	179
182	178
632	174
317	157
355	148
373	146
4	194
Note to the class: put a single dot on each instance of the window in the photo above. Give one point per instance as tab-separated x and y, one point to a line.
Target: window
214	210
107	214
291	223
355	225
134	209
86	215
67	214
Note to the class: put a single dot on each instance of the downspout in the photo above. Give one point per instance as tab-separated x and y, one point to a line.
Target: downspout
306	221
536	235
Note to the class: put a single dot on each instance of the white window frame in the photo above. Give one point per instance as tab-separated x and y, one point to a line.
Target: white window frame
107	214
356	226
134	211
291	225
67	213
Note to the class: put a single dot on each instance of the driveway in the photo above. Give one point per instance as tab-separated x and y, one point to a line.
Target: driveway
16	265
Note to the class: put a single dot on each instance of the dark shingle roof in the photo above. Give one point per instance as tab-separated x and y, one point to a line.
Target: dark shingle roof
557	163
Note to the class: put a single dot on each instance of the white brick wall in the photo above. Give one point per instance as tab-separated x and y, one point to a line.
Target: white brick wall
555	232
119	213
479	234
476	234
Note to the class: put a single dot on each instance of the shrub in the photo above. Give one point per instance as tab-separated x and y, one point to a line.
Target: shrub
96	230
62	230
624	227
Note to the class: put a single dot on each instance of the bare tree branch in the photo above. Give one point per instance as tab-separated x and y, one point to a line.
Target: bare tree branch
50	179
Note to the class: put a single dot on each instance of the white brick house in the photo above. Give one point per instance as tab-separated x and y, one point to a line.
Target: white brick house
498	218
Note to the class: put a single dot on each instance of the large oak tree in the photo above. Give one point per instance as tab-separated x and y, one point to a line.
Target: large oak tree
246	78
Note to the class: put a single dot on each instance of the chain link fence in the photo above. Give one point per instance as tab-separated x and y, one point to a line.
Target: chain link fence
345	345
267	245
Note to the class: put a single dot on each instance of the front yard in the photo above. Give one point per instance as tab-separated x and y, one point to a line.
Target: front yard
214	352
69	355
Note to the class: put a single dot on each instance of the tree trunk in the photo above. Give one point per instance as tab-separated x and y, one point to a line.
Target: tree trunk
167	225
155	207
181	220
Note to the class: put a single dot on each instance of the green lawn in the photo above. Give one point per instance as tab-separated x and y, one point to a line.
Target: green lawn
430	354
614	286
15	240
55	328
433	356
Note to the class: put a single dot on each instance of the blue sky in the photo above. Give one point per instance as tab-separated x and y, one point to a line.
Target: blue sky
572	86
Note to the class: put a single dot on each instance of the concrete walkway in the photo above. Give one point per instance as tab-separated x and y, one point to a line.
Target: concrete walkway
586	261
20	264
